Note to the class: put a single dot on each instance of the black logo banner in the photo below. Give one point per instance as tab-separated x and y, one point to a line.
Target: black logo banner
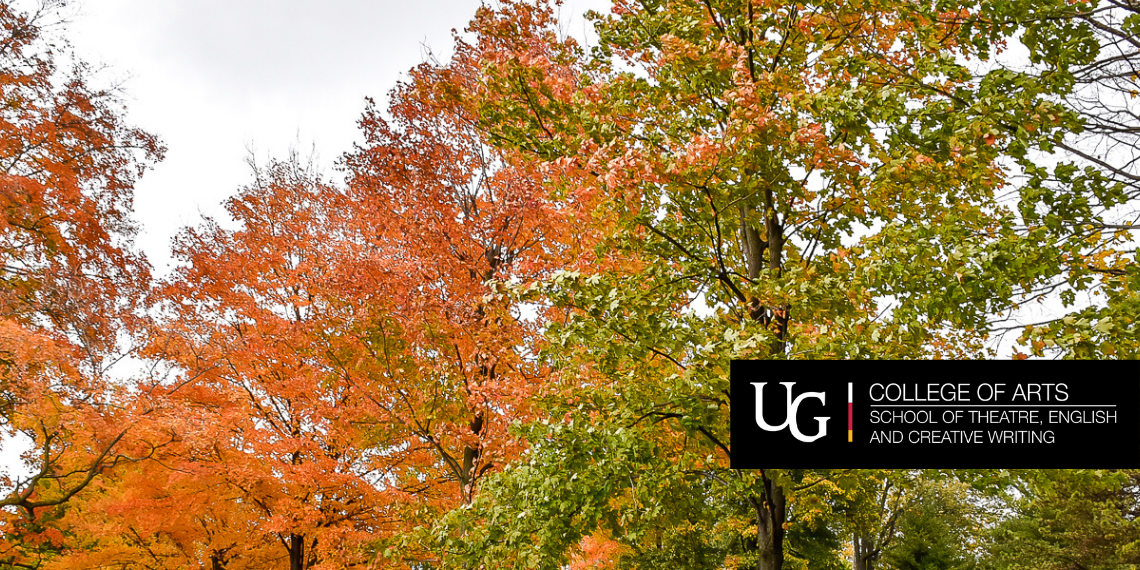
931	414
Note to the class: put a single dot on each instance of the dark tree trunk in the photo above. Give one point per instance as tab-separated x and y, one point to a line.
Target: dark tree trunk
296	552
776	263
770	518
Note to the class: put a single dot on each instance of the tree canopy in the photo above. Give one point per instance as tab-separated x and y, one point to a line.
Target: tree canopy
502	338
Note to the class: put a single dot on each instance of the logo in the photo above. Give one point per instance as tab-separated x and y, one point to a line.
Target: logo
793	412
906	413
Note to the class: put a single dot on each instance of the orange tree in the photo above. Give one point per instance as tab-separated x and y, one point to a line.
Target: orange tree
71	285
453	219
348	361
263	413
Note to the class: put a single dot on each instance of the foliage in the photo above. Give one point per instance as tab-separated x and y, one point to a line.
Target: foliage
1073	519
504	340
1061	101
767	177
70	283
347	365
938	529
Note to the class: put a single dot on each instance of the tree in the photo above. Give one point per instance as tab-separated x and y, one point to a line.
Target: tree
361	331
938	527
773	181
787	169
265	408
1072	519
453	219
174	511
1078	183
70	283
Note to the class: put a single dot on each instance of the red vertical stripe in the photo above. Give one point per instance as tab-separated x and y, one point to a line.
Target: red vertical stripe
850	416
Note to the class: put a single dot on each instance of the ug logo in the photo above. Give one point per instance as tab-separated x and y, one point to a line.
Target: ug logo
793	411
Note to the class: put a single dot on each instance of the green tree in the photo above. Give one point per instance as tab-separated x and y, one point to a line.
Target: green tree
1073	519
774	182
1057	87
938	527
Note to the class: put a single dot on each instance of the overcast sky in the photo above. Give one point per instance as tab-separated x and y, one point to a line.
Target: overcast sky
213	78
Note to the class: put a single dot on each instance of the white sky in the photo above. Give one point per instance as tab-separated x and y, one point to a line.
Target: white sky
213	78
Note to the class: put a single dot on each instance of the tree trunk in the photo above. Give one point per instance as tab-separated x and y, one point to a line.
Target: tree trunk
754	246
751	244
776	263
770	519
865	551
296	552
